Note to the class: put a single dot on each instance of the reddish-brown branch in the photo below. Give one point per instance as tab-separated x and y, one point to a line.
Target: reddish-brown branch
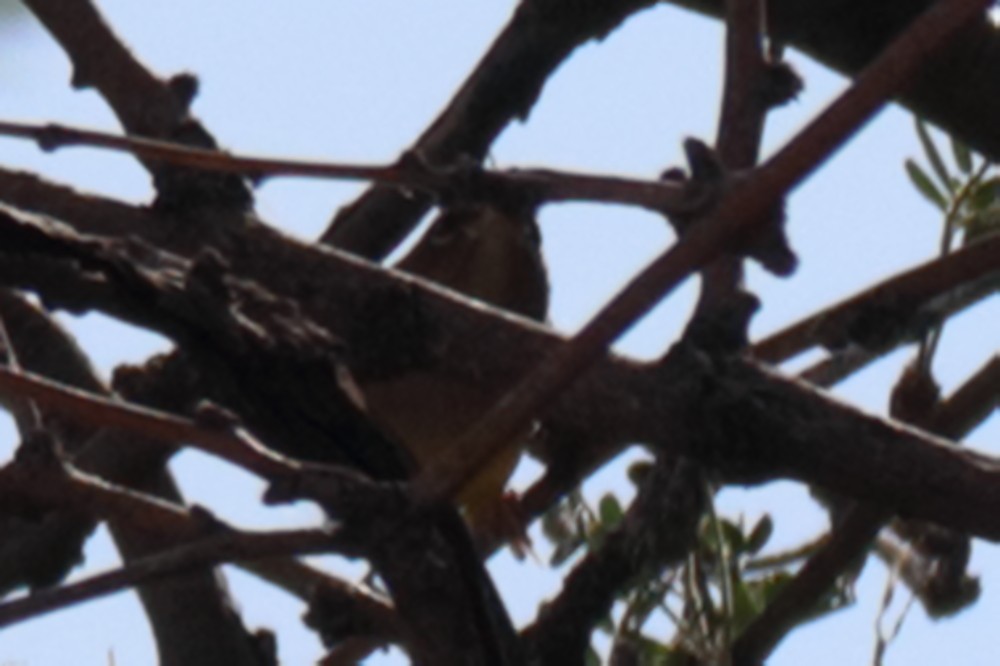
971	404
887	76
744	104
232	445
546	185
743	210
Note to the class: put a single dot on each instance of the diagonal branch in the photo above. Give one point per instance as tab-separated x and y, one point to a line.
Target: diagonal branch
743	211
144	104
832	445
504	86
859	525
971	404
90	213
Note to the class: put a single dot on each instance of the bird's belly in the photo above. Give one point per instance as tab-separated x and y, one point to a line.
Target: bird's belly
427	414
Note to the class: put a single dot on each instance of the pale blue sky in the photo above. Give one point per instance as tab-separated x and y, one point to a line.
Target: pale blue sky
357	80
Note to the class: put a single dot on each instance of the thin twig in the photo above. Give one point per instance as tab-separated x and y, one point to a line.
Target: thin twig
929	343
229	547
545	184
786	557
234	445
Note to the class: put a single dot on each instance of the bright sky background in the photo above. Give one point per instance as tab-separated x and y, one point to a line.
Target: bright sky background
357	81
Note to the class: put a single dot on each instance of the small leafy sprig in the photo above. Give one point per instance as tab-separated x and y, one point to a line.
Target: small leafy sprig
705	603
968	197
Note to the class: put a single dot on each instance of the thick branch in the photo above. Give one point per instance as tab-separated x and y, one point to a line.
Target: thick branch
776	428
741	216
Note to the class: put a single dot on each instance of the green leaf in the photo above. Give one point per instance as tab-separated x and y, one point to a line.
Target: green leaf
747	605
652	653
610	511
925	185
963	157
760	534
732	536
980	225
984	194
592	658
933	156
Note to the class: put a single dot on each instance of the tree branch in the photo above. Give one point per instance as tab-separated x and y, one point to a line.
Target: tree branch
145	105
622	402
742	212
959	90
231	546
658	531
897	310
503	86
543	185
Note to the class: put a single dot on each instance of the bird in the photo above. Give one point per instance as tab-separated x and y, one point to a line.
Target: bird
493	254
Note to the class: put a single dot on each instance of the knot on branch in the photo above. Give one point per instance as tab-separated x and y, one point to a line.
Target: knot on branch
723	329
781	84
464	182
184	88
708	182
